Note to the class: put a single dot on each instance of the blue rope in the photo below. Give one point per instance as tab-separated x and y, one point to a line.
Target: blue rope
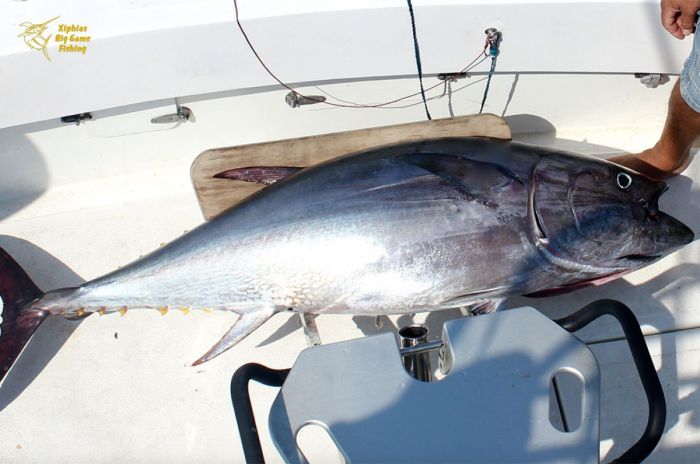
418	62
488	83
494	41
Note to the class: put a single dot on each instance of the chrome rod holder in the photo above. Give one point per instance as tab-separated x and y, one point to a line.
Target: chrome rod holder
416	357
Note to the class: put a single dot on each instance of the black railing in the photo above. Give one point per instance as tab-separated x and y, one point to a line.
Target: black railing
243	408
642	361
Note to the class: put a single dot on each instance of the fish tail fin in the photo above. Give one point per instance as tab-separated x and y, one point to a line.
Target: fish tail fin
244	326
18	319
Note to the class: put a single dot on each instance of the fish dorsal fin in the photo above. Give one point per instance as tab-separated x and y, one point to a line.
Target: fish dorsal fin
266	175
244	326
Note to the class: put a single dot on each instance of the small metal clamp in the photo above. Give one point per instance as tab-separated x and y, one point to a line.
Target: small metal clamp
652	81
295	100
182	114
76	118
451	76
493	41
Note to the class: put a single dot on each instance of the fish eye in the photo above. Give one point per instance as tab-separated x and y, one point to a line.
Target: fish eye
624	180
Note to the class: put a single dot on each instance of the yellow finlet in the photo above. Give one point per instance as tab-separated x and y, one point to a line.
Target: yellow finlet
102	311
80	312
185	310
207	310
163	310
122	310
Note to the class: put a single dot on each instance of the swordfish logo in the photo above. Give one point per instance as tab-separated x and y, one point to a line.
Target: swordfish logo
72	38
34	36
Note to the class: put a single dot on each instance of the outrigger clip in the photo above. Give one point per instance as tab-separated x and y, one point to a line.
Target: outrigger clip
451	77
493	41
296	100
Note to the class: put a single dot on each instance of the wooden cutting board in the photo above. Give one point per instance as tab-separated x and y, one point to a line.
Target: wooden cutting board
215	195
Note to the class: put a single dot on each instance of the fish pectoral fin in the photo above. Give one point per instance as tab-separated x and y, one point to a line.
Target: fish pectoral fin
475	307
474	298
486	306
244	326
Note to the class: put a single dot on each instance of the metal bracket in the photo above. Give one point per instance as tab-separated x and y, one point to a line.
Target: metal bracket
308	322
182	114
652	81
451	76
76	118
493	40
295	100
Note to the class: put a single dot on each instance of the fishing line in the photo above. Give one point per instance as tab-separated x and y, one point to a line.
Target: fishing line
436	97
262	63
418	62
474	63
420	102
347	104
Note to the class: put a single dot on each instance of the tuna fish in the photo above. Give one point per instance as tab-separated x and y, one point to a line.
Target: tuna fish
405	228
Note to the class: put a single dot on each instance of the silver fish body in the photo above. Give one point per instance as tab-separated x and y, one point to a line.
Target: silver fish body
404	228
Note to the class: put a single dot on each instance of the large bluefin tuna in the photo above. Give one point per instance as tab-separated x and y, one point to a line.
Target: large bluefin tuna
404	228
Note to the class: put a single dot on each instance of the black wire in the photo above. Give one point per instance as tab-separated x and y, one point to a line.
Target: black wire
262	63
418	62
471	65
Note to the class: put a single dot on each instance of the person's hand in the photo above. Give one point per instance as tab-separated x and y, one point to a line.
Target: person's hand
678	16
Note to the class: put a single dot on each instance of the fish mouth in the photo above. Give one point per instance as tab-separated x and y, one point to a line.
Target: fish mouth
675	231
660	190
666	233
652	208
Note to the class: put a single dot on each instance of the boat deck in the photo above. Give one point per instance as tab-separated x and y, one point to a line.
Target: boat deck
79	201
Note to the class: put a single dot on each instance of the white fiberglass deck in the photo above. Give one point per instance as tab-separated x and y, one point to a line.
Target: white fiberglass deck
150	50
78	201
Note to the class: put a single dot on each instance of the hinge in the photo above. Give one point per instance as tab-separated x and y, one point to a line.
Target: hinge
182	114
